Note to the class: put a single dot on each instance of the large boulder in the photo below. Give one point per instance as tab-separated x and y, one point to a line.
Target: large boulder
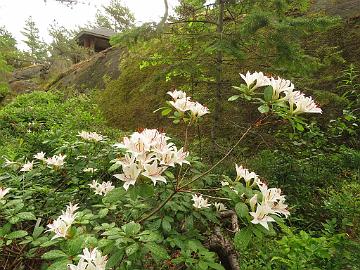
30	72
343	8
91	73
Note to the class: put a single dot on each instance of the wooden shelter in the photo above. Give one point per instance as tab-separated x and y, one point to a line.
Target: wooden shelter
96	39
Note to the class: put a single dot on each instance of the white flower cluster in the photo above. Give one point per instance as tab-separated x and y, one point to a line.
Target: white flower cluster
91	136
148	153
3	192
90	260
272	201
62	224
200	202
8	163
27	167
272	204
245	174
283	90
220	206
90	170
182	103
54	161
103	188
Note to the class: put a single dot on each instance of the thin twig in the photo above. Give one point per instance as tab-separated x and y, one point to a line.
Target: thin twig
221	160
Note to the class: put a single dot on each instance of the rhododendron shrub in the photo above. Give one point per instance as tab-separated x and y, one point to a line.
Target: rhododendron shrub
141	202
278	96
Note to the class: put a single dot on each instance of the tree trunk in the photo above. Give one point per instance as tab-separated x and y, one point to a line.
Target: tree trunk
218	73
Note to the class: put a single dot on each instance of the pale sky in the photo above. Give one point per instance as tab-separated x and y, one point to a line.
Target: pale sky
13	14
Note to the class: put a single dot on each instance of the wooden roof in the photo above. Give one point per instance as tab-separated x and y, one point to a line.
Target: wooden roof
97	32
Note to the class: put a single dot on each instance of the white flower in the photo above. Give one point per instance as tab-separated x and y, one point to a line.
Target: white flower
27	167
177	94
126	160
71	208
136	144
91	136
90	170
90	260
59	227
180	156
255	80
261	216
103	188
198	110
9	163
280	208
40	156
220	207
149	154
182	104
167	158
3	192
56	160
200	202
62	224
279	86
145	158
82	265
273	198
129	176
305	105
154	172
253	202
224	183
245	174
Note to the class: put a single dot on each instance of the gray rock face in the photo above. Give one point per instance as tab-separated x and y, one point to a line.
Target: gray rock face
23	86
91	73
343	8
31	72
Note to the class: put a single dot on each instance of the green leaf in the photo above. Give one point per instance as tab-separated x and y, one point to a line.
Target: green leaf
132	249
242	210
166	111
232	98
5	229
131	228
157	251
169	174
145	190
103	212
299	126
150	236
114	167
117	194
242	238
53	254
26	216
268	93
37	231
17	234
216	266
14	220
264	108
242	88
166	225
59	265
74	246
115	259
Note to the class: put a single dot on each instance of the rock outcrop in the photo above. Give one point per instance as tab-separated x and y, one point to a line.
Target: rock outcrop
344	8
27	79
92	73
